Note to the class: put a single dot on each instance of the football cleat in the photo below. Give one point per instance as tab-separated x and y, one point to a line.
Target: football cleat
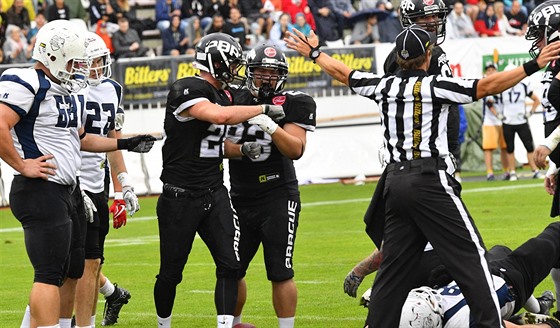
113	305
546	302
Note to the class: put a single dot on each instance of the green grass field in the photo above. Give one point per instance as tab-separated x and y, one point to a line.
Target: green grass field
330	241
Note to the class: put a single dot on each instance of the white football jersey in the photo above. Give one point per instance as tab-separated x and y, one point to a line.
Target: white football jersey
101	107
456	310
513	101
49	120
489	118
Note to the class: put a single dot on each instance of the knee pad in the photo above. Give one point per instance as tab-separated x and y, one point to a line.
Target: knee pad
162	277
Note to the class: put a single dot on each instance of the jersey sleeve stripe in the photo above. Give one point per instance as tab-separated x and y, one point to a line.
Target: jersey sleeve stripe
18	80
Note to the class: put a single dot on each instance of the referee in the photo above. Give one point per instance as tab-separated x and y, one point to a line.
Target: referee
420	202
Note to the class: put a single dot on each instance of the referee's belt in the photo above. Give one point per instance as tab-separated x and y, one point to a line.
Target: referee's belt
178	192
428	164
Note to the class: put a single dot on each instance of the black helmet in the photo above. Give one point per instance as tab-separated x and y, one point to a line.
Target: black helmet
543	23
267	57
220	55
411	10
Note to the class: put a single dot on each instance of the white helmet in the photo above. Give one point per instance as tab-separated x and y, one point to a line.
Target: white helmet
99	57
61	47
422	309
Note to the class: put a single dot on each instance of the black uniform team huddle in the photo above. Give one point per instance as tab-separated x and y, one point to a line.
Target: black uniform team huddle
262	129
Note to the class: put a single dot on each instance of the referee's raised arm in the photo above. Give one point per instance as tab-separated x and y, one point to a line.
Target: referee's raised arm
502	81
308	46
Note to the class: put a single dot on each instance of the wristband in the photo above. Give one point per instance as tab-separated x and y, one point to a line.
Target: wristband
122	143
123	179
118	195
241	150
264	109
531	67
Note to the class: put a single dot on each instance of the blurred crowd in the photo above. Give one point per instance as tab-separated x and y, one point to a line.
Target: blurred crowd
181	24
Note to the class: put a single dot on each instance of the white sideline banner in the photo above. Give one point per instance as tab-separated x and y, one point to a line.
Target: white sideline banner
348	136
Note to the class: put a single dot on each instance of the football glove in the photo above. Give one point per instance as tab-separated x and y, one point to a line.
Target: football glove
119	119
275	112
138	144
132	205
265	123
351	283
118	208
89	207
251	149
500	116
364	301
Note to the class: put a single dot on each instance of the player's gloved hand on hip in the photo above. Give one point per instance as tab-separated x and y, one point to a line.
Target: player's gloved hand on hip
251	149
138	144
265	123
89	207
132	205
500	116
351	283
118	208
275	112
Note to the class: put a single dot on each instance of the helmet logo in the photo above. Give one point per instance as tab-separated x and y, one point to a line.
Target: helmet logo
269	52
404	54
407	5
546	12
225	47
279	100
428	2
57	43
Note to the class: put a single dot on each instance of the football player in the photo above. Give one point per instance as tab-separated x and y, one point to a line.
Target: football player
194	198
264	188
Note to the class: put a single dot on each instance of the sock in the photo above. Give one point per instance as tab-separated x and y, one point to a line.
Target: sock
107	289
164	322
92	321
555	274
286	322
65	322
532	305
55	326
26	321
225	321
237	319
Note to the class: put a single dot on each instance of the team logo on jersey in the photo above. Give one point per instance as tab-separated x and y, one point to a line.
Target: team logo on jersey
270	52
228	94
279	100
428	2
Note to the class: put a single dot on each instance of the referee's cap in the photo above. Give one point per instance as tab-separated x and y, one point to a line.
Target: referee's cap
413	41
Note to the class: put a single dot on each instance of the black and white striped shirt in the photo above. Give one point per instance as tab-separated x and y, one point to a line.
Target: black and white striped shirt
414	108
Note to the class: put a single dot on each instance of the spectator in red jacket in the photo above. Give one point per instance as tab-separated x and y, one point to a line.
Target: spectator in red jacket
293	7
487	23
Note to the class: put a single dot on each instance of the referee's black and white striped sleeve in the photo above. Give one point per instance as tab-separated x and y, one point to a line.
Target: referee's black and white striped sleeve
363	83
449	90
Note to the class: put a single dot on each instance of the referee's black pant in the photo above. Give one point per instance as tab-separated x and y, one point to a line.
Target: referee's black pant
421	206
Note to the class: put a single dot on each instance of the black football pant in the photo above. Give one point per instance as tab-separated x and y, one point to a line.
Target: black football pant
421	206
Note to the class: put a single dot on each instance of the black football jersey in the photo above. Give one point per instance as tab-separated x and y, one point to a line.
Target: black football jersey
551	111
193	149
272	173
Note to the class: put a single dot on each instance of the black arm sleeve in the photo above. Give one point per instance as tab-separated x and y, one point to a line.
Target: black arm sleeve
554	93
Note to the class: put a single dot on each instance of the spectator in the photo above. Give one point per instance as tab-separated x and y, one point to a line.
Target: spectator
325	20
174	39
366	31
459	25
199	8
236	28
473	8
164	10
3	24
273	8
123	8
279	29
293	7
3	58
58	10
126	41
18	15
368	4
254	11
342	10
194	34
77	10
256	37
391	26
101	30
517	19
16	46
487	23
503	21
217	25
40	21
103	10
301	24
